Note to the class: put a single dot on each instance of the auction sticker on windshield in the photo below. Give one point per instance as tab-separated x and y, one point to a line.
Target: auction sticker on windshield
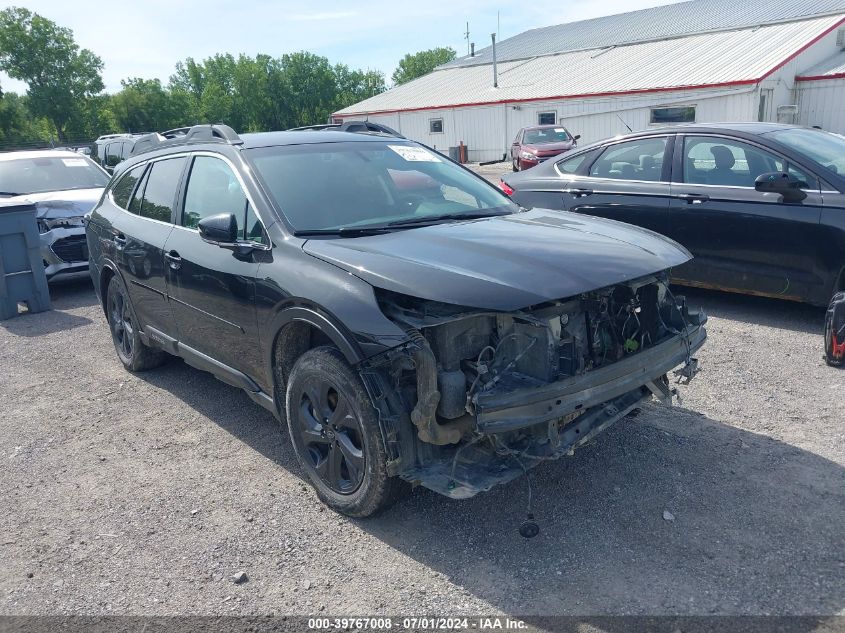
415	154
74	162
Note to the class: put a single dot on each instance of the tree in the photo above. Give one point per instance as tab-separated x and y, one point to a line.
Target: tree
422	63
59	75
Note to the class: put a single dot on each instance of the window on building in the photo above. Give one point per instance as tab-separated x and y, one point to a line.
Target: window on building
435	126
683	114
547	118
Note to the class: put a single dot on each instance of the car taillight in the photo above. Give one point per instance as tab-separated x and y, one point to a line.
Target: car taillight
506	188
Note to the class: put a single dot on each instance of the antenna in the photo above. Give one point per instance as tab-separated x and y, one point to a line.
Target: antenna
466	37
623	123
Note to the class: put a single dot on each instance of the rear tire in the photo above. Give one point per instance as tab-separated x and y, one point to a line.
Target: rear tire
125	332
335	432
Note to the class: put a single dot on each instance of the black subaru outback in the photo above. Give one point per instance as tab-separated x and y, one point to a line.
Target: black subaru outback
408	321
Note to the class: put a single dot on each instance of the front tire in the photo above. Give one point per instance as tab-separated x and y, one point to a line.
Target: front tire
335	432
123	324
516	164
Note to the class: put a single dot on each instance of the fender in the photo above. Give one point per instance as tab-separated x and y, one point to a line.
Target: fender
106	264
318	319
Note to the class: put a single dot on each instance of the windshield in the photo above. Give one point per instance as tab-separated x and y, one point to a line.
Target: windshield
545	135
19	176
823	147
333	186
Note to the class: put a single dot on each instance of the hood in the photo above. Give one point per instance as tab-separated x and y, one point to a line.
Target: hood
71	203
504	262
546	149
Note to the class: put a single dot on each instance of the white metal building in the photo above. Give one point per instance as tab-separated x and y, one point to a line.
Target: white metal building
696	61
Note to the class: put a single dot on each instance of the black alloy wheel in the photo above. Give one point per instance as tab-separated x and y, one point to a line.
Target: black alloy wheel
331	435
335	431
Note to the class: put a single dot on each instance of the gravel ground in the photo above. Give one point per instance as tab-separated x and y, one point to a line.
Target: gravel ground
140	494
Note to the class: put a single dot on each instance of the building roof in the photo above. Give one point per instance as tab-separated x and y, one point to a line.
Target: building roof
833	68
723	58
674	20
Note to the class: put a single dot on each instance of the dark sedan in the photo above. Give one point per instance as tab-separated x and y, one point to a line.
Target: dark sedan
761	206
534	145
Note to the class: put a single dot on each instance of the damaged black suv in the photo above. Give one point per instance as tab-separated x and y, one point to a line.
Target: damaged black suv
407	320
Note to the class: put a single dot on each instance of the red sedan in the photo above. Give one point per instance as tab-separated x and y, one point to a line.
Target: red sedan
535	144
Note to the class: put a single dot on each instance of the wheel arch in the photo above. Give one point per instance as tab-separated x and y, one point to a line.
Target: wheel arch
297	329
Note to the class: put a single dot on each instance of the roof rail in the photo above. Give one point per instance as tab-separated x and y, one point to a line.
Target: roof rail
183	135
360	127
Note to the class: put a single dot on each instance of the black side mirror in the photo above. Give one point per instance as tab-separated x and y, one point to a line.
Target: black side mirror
576	137
220	229
781	183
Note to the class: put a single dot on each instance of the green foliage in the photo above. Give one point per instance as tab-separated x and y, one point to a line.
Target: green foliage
65	102
422	63
59	75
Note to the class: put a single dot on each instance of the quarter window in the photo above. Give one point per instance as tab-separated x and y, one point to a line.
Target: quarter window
160	190
732	163
213	189
571	165
633	160
124	187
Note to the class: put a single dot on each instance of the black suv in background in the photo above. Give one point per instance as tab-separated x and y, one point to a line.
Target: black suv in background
407	320
760	205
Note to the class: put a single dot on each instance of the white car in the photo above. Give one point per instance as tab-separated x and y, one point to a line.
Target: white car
64	186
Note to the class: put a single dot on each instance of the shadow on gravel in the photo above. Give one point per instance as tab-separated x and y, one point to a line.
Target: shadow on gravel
776	313
753	525
69	295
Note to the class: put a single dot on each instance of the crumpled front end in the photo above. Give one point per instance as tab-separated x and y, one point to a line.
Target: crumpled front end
61	223
490	394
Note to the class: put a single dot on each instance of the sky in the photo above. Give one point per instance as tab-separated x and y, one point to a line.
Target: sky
145	38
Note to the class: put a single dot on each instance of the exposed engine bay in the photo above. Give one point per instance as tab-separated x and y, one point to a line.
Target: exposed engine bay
491	394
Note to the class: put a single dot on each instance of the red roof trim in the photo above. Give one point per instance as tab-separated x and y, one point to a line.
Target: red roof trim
821	77
743	82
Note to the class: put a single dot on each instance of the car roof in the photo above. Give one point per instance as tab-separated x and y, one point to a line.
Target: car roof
547	126
747	128
41	153
307	137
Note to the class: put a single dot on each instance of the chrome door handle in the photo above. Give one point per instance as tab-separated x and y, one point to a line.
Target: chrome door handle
694	198
174	260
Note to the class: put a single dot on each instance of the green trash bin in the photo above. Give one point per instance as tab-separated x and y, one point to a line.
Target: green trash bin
23	284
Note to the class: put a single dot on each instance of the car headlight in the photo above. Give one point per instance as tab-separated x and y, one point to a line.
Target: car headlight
527	155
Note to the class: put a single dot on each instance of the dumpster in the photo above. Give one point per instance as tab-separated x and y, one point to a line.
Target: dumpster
23	284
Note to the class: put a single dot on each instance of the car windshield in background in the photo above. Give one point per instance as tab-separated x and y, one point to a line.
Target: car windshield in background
20	176
366	185
823	147
548	135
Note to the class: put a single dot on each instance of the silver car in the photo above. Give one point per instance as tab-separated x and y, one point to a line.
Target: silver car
63	185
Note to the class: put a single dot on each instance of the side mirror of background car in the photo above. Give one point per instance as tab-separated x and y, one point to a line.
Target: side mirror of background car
220	229
784	184
576	137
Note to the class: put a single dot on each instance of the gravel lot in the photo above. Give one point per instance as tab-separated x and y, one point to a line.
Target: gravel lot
145	494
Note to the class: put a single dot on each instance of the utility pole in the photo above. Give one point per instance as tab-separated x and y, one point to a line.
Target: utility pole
466	37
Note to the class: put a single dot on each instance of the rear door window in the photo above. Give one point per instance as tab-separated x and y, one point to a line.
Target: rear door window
641	159
161	187
126	185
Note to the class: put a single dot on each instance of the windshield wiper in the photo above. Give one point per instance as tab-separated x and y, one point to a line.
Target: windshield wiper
346	231
11	194
434	219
